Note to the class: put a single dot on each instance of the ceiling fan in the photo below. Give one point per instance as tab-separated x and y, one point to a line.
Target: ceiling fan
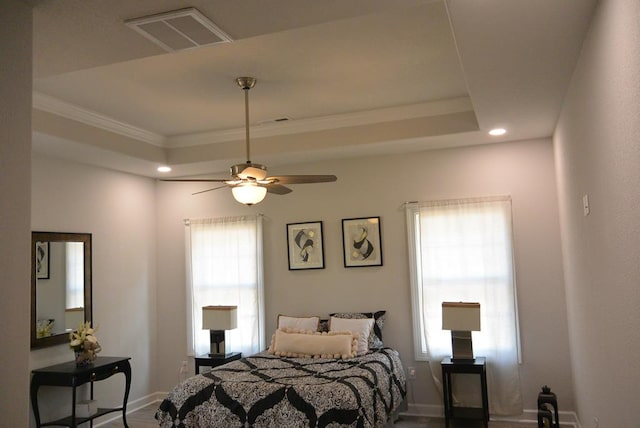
249	182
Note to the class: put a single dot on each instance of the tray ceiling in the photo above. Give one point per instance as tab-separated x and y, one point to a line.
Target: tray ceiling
352	78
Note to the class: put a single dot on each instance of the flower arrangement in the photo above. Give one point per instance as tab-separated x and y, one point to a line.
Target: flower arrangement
44	328
84	343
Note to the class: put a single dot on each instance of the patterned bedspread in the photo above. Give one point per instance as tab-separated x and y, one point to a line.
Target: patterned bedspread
268	391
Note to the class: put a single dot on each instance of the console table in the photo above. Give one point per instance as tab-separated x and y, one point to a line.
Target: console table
67	374
215	360
476	366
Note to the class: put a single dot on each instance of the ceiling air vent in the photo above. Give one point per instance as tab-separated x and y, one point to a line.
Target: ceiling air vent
179	29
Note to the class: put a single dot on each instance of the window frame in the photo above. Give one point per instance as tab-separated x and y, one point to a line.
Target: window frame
254	222
412	211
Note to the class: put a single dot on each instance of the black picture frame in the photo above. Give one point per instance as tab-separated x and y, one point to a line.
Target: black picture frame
42	260
305	245
362	242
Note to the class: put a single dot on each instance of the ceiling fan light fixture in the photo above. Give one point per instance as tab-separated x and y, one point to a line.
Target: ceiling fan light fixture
249	193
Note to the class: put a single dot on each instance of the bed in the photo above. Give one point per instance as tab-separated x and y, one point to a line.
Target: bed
266	390
291	391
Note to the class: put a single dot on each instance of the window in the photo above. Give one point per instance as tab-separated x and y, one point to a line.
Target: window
74	265
224	264
461	250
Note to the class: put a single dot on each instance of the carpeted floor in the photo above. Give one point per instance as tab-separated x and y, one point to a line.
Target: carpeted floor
143	418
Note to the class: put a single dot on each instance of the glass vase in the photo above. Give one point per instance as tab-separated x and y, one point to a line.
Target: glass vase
84	358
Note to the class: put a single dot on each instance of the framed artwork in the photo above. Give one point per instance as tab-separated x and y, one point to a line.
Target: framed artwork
305	245
42	260
362	242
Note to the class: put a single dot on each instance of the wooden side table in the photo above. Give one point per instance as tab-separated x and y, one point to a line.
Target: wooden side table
215	361
475	366
67	374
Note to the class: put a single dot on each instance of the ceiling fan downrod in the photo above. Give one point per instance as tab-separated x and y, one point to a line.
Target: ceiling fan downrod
246	83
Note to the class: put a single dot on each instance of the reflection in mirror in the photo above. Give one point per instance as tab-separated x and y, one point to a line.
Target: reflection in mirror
60	285
59	291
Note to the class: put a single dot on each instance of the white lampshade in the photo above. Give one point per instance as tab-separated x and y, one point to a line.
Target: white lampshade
249	193
219	317
459	316
73	317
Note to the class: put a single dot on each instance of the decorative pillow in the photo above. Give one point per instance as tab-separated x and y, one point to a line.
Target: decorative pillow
375	340
323	325
360	328
300	323
290	342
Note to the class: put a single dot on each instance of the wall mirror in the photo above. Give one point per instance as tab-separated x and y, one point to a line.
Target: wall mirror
60	286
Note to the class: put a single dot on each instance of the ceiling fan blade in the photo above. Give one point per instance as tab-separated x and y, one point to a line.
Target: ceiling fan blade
209	190
301	179
277	189
198	180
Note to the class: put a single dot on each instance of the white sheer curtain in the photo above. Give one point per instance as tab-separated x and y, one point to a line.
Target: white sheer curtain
74	265
462	250
224	267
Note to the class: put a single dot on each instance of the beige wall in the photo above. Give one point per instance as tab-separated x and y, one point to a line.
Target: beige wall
597	144
15	182
118	209
378	186
134	221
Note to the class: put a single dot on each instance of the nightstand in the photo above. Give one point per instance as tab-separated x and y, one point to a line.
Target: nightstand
476	366
215	361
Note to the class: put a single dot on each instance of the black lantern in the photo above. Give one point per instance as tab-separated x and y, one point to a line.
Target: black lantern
547	409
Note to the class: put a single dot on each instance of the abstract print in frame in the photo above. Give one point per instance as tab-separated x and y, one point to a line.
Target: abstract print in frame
42	260
362	242
305	245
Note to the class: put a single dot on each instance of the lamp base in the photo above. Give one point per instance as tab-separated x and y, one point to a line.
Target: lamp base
461	346
217	343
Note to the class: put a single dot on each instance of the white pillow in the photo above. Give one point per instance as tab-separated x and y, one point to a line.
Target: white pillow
294	343
360	327
298	323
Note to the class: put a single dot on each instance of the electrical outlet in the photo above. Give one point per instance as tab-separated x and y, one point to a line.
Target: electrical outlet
411	372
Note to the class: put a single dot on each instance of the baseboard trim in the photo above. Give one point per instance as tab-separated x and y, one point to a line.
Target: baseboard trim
423	410
133	406
567	419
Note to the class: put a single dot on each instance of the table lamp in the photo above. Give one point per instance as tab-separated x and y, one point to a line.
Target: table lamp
218	319
461	318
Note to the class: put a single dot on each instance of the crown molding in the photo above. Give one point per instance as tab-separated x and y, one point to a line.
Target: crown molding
55	106
70	111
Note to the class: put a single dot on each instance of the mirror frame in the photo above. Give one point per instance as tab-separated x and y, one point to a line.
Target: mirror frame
60	338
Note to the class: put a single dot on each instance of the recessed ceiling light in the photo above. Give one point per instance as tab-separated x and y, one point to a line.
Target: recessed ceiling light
497	131
164	168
